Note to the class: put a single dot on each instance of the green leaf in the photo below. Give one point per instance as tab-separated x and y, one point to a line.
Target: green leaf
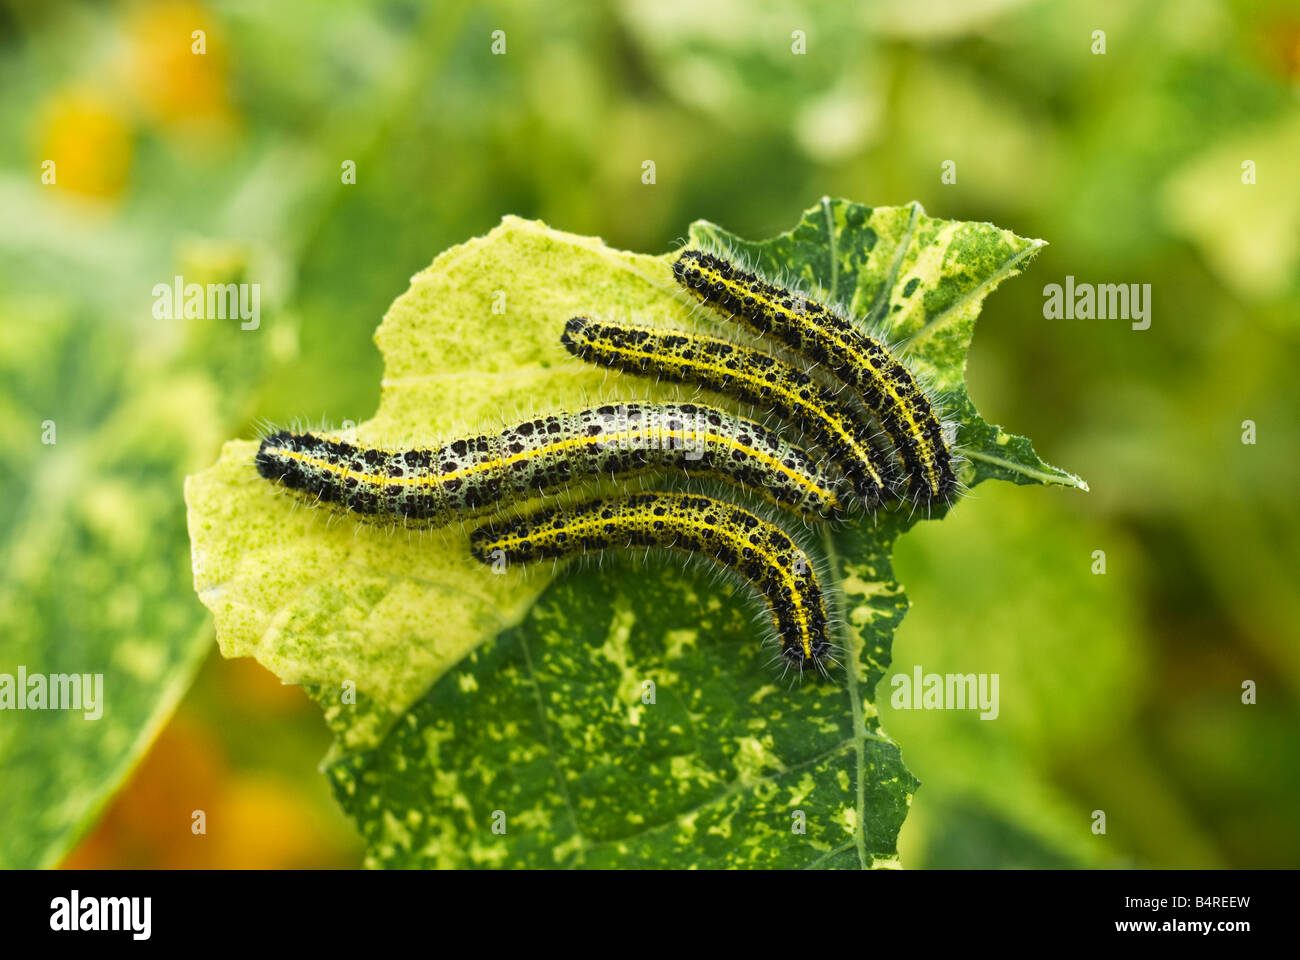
95	578
517	700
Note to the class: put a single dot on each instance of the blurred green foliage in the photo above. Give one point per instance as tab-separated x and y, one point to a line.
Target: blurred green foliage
1121	692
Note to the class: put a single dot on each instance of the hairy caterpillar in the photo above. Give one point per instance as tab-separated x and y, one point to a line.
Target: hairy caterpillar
761	553
749	375
476	474
822	335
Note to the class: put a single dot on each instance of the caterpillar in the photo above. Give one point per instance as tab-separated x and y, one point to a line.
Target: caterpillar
759	552
475	474
749	375
823	336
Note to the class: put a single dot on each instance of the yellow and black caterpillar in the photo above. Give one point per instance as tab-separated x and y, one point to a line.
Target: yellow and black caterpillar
759	552
473	475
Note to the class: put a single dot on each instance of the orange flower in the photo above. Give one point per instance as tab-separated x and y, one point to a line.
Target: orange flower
177	65
88	140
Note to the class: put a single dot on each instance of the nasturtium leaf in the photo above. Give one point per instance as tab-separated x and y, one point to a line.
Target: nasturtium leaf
615	713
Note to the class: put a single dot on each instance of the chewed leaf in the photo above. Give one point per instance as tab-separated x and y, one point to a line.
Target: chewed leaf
621	711
367	616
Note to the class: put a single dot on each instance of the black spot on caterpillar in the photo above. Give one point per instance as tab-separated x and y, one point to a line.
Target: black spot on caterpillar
477	474
825	337
749	375
759	552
